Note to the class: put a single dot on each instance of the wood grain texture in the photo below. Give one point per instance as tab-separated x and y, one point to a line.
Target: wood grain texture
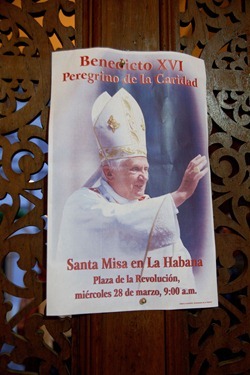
132	342
126	25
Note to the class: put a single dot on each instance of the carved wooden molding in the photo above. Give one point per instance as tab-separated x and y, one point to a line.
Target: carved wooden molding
30	31
219	33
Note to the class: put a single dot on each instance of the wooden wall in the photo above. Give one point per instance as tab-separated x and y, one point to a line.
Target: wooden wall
209	341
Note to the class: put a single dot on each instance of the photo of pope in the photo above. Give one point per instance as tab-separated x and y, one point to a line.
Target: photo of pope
111	217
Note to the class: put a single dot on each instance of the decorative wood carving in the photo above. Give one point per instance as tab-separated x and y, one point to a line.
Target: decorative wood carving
29	32
219	33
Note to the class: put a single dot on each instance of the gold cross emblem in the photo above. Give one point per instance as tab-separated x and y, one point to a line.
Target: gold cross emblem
113	124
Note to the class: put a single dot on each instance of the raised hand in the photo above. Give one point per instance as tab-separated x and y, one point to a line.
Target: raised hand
196	169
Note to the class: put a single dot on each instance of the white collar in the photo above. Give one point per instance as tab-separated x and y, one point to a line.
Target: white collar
108	192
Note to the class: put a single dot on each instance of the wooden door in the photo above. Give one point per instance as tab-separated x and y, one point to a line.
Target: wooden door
209	341
132	342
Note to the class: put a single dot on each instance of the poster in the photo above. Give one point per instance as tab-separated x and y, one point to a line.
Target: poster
130	223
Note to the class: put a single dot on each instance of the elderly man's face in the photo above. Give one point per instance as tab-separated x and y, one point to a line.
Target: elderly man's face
130	179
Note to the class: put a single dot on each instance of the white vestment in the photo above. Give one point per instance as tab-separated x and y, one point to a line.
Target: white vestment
110	247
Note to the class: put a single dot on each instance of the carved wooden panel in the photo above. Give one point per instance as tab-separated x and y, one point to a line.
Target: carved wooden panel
29	32
218	32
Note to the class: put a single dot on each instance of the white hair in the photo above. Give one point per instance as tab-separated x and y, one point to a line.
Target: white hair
114	164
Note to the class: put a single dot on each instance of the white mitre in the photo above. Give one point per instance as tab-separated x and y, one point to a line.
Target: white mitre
119	126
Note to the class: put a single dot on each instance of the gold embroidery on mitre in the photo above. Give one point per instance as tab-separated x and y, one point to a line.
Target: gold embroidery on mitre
113	124
143	126
121	152
127	104
130	120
